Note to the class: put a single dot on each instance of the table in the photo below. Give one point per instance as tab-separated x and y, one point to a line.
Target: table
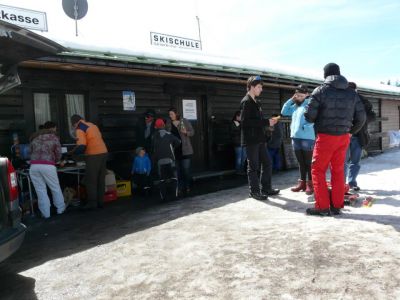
24	174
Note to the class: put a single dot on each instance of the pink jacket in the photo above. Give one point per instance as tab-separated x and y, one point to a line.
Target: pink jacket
45	148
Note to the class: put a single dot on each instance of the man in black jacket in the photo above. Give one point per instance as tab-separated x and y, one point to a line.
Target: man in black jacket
357	142
253	137
145	130
337	112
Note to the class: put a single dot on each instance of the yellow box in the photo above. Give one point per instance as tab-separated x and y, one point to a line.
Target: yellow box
124	188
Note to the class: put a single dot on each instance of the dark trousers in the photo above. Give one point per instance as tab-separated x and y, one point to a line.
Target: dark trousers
142	181
275	157
184	174
95	176
259	161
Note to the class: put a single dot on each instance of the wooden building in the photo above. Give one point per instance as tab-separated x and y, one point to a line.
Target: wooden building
92	83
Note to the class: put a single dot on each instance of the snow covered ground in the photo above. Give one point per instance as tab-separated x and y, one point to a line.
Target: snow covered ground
227	246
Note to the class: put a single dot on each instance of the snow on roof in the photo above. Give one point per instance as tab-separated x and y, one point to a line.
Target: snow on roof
190	58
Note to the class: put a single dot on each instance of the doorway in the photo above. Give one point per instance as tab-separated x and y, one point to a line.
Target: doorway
194	108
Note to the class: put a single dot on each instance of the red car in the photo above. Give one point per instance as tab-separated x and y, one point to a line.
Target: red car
17	44
12	231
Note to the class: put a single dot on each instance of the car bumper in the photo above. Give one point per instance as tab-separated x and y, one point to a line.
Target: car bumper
11	241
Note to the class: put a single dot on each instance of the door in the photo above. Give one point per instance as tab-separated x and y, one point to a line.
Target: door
194	109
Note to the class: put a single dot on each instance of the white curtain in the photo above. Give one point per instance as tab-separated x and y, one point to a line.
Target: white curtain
75	105
41	102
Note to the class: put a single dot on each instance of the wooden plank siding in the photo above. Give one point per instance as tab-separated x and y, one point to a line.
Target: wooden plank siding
103	95
11	119
390	110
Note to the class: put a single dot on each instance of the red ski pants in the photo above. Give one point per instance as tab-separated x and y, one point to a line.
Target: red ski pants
329	150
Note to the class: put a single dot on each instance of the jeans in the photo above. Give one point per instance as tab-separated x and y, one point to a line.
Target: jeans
276	158
42	175
302	144
303	149
240	158
258	161
353	158
184	174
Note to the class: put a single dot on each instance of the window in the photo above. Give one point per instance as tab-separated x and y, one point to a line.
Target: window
41	102
75	105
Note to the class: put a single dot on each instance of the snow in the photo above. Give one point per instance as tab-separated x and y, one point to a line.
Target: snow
227	246
247	66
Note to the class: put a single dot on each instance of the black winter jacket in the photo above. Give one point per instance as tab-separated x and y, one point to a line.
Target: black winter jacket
275	140
141	140
363	135
335	108
252	122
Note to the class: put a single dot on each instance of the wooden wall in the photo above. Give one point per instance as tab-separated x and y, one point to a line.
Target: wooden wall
103	94
391	110
11	119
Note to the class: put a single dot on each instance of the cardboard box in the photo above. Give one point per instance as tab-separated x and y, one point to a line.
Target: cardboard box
124	188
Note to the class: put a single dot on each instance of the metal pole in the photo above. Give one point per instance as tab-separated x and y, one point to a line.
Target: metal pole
198	26
76	16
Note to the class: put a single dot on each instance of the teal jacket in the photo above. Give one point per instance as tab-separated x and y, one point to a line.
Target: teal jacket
299	128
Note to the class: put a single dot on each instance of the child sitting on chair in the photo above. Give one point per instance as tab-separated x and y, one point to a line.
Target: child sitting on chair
163	156
141	169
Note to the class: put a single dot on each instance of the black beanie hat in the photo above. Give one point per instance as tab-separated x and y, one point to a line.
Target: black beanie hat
331	69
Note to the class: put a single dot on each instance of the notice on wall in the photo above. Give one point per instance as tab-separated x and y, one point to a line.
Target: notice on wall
25	18
189	109
129	100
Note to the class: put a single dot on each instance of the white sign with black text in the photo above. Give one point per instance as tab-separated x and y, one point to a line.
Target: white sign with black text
189	109
25	18
165	40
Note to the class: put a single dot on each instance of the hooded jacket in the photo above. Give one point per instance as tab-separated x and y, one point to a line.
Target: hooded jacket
335	108
164	143
299	127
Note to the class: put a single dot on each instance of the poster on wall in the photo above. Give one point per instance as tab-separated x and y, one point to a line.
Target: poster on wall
189	109
129	100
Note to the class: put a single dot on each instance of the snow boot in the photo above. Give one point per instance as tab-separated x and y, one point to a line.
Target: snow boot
301	186
309	188
318	212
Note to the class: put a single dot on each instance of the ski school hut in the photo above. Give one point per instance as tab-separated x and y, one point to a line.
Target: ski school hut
57	81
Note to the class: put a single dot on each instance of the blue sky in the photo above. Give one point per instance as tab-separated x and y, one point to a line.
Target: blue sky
361	36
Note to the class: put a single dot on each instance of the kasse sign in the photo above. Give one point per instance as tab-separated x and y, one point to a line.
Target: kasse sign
25	18
165	40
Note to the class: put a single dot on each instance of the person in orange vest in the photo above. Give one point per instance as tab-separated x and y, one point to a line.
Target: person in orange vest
90	142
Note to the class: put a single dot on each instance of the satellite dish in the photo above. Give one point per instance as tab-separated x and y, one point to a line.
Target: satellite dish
75	9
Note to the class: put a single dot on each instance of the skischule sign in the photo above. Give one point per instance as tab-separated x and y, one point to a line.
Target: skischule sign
165	40
26	18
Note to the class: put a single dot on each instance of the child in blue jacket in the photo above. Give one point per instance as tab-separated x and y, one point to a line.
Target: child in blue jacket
141	168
